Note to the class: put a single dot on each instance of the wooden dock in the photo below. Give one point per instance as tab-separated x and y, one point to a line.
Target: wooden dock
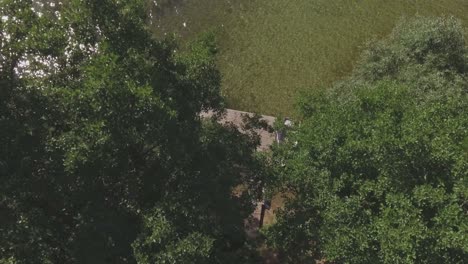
235	117
266	140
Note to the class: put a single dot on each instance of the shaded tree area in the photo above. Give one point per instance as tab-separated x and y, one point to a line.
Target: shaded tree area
104	158
379	171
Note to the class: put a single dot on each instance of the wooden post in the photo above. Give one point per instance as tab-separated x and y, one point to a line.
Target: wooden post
262	215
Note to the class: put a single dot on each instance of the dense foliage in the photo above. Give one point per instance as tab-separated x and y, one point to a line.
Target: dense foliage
379	173
104	158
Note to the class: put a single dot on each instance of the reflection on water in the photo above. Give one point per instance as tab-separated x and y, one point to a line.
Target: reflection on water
162	8
187	18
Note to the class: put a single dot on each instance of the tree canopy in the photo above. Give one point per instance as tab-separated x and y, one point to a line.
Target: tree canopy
104	157
377	171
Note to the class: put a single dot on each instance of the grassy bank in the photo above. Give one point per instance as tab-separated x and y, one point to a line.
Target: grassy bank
270	50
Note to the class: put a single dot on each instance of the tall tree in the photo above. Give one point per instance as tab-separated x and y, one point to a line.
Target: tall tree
379	172
104	157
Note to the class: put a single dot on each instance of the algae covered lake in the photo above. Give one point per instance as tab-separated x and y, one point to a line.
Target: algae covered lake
271	50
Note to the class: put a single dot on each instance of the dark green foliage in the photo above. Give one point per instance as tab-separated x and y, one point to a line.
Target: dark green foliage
104	158
379	174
